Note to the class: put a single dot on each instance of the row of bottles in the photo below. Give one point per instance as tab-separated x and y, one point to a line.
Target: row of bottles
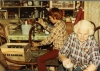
36	13
24	3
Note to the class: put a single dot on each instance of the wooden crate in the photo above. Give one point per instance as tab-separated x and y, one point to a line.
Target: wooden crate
17	51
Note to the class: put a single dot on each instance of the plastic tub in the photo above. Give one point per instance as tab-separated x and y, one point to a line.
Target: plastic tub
25	29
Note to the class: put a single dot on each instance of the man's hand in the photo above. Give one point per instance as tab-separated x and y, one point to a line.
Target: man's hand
40	21
35	45
34	48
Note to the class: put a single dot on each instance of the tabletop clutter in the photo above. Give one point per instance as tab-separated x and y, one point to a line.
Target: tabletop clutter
26	26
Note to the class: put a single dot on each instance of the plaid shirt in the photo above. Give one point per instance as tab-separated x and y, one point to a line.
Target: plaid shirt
81	55
58	35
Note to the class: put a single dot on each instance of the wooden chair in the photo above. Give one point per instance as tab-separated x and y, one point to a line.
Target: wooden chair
97	29
19	65
3	37
3	58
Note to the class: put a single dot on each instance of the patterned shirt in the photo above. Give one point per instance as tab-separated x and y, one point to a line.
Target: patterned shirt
81	55
58	35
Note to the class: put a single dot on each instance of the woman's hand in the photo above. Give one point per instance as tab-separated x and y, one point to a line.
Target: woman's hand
67	63
91	67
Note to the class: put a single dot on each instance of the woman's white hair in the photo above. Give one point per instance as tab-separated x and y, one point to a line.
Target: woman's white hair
85	24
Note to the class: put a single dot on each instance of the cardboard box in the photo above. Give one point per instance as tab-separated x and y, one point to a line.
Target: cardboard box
17	51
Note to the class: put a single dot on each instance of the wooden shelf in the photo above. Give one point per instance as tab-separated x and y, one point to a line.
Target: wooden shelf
19	6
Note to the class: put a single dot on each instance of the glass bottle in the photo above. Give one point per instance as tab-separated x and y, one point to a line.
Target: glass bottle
36	14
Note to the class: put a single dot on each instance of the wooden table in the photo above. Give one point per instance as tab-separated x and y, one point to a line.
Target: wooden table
17	35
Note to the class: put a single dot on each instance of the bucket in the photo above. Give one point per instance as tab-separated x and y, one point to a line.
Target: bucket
25	29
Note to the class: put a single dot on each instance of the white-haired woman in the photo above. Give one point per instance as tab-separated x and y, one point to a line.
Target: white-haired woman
81	51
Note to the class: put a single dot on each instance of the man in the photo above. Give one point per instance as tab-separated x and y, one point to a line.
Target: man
57	37
81	51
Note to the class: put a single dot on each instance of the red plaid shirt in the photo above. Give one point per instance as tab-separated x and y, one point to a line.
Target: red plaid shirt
58	35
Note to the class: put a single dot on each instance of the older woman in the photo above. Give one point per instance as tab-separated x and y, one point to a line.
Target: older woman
81	51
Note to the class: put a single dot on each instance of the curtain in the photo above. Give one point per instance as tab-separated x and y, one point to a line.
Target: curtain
92	13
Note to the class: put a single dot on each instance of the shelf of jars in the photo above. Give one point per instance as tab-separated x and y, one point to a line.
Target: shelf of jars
24	3
17	9
3	14
19	6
